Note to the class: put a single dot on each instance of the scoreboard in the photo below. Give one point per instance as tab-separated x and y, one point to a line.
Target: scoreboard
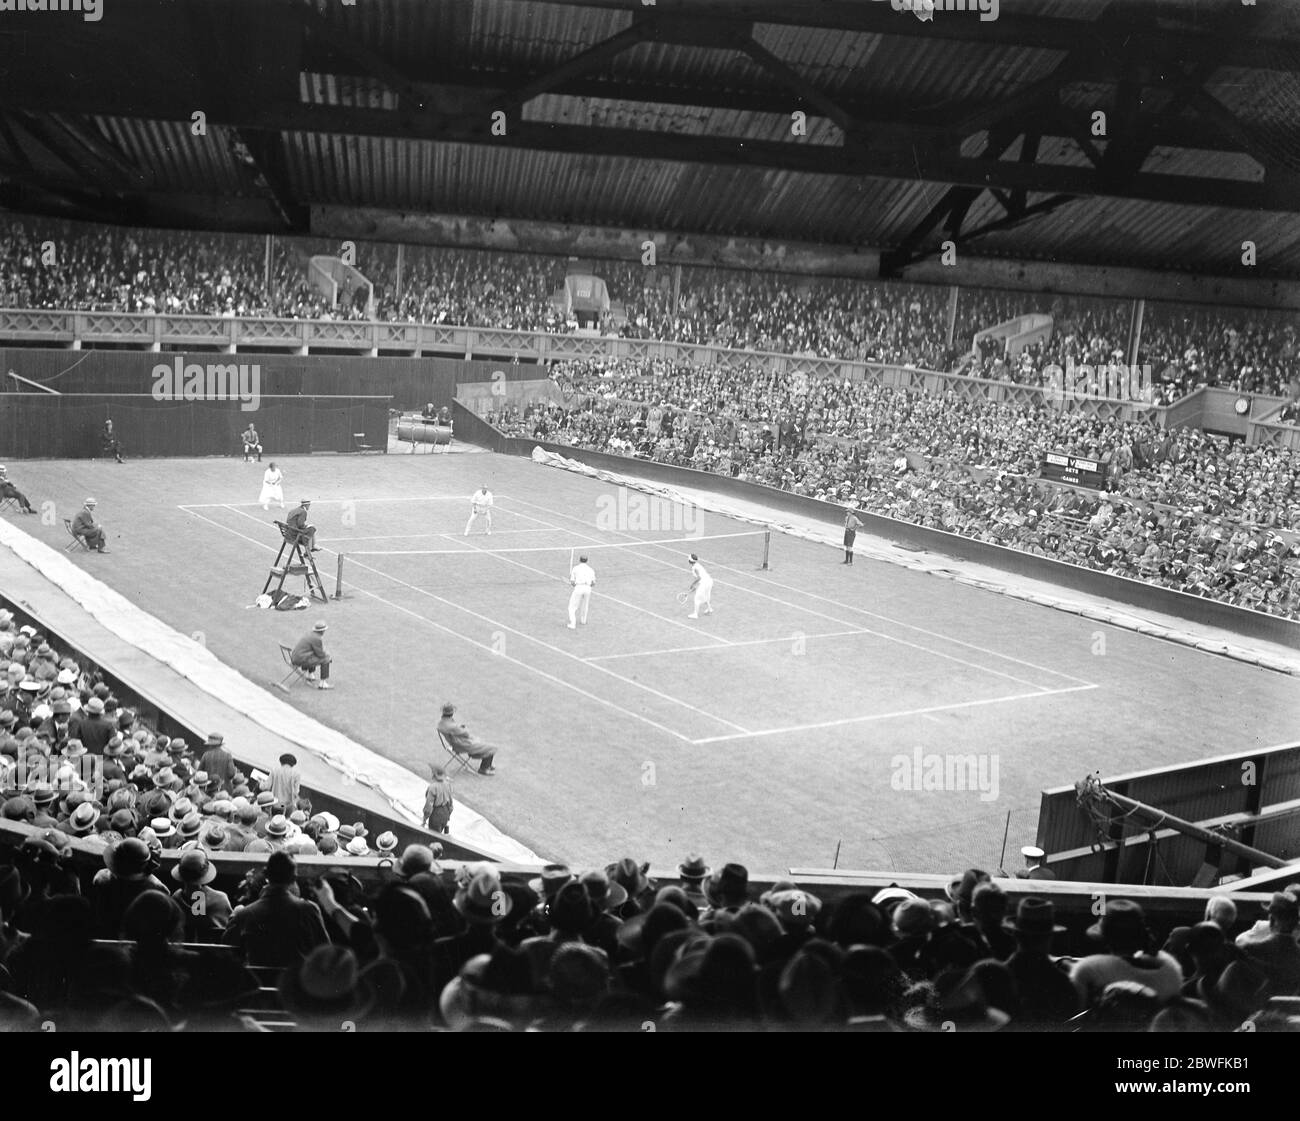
1073	469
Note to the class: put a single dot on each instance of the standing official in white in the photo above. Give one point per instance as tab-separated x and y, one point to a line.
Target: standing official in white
702	586
583	579
480	505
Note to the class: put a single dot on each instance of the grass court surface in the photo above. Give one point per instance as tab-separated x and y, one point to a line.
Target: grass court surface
769	732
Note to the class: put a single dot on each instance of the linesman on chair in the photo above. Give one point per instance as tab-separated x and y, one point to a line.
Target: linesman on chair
8	490
310	657
89	530
252	443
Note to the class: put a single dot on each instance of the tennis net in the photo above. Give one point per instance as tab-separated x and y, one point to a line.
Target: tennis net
476	560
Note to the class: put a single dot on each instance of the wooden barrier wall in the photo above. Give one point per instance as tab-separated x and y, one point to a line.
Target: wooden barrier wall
1223	788
40	426
411	382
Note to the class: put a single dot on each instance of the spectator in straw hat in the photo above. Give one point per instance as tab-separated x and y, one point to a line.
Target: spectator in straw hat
92	727
309	655
386	845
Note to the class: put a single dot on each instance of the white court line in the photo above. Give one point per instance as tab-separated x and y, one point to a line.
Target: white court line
524	635
804	610
427	536
894	715
335	501
746	642
473	642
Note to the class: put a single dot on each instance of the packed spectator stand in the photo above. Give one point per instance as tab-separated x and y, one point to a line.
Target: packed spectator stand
47	264
1183	509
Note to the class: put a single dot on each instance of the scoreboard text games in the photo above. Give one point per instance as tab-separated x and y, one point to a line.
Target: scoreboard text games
1072	469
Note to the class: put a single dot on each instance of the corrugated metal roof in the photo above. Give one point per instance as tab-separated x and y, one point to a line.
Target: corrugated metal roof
943	79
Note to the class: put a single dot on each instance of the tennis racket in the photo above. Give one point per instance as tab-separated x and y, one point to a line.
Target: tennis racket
682	597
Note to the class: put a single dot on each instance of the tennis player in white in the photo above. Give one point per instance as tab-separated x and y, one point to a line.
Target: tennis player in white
480	504
583	579
702	586
272	488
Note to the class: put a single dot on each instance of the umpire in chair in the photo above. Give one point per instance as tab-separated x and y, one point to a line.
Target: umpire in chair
296	520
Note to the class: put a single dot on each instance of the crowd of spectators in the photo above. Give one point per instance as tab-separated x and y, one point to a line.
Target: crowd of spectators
1252	352
51	265
858	320
439	946
107	268
1181	508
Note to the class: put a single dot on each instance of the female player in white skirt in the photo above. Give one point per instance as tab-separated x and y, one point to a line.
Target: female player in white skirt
272	487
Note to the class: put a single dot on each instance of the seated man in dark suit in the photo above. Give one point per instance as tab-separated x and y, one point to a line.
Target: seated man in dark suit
280	928
90	531
108	442
297	521
309	654
458	736
8	490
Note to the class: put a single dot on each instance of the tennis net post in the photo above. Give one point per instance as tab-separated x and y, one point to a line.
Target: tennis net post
767	548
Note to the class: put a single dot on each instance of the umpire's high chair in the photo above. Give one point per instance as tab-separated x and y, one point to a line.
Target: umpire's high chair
294	559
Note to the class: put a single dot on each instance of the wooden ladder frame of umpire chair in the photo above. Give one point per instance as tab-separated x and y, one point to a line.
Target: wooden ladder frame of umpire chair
294	559
71	545
457	758
296	673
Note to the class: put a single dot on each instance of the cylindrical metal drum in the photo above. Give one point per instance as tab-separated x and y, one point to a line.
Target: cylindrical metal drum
416	430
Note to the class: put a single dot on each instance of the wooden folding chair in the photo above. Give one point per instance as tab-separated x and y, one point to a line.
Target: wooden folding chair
76	541
296	673
457	759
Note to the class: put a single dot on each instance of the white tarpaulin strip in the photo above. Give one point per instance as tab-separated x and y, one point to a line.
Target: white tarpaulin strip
402	789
